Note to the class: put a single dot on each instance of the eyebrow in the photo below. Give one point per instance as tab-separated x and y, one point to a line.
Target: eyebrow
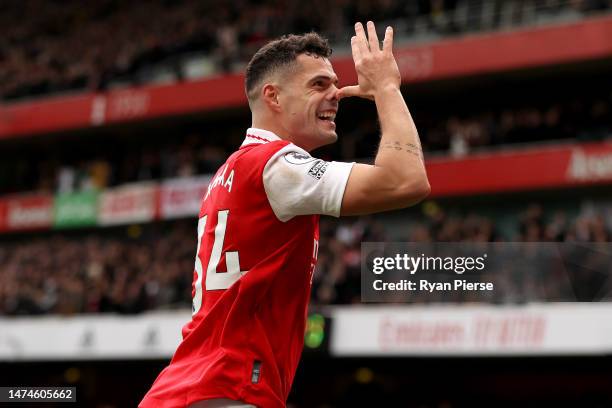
325	77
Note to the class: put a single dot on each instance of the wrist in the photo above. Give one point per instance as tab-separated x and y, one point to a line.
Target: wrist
386	89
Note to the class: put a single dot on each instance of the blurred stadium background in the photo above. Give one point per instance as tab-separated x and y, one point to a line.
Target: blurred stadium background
113	114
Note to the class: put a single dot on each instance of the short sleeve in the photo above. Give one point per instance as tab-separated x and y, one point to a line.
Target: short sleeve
298	184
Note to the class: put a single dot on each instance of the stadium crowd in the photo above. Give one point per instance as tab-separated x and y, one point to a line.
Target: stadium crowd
50	47
150	267
141	157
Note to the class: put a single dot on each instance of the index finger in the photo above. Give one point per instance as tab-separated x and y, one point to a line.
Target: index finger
355	49
362	42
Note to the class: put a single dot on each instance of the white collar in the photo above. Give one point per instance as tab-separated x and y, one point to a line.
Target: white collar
259	136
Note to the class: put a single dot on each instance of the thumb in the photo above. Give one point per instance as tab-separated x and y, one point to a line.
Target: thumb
348	91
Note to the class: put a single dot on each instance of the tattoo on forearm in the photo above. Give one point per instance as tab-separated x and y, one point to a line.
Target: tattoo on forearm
411	148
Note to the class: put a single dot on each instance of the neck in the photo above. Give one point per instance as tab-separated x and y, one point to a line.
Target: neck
274	125
270	126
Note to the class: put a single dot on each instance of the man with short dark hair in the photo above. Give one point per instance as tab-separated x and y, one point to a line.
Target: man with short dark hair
258	228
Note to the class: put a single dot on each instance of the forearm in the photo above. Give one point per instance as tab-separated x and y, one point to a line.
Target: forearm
400	147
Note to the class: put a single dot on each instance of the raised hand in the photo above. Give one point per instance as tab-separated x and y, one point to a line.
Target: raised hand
376	68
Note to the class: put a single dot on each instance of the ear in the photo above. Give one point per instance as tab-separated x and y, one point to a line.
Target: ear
269	96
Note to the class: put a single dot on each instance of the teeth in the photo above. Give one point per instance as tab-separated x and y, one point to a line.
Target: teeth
327	115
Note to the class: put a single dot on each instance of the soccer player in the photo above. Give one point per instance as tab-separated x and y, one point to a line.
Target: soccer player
258	224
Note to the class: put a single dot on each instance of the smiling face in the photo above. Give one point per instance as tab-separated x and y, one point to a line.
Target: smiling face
308	102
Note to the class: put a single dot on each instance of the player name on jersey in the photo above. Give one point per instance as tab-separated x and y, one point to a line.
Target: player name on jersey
220	180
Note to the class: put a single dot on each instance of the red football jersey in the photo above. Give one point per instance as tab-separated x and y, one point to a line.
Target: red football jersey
257	248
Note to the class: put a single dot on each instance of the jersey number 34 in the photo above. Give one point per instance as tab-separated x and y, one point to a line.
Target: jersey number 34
214	279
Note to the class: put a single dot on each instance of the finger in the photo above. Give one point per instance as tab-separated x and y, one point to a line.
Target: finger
362	41
388	41
372	37
348	91
355	49
352	90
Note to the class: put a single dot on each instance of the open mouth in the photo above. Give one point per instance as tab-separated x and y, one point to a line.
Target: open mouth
328	116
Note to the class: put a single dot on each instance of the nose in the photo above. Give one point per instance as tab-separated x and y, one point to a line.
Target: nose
332	95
